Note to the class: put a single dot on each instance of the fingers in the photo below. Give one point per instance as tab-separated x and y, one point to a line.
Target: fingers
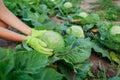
43	44
45	49
45	52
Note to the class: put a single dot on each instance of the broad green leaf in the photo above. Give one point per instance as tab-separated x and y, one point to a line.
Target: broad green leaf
6	61
51	25
18	75
100	49
88	27
30	61
67	69
70	40
114	78
82	70
43	9
48	74
61	28
80	52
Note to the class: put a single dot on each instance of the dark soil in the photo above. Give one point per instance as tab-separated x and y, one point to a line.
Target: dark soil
7	44
109	69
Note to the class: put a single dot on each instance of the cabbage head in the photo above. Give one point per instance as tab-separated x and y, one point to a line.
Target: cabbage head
67	7
54	40
76	30
110	35
83	14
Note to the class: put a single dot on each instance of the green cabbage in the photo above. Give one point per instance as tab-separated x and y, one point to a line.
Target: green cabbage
54	40
67	7
115	30
76	30
110	35
83	14
115	33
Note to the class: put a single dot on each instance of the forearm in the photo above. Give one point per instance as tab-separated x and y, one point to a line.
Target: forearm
10	35
2	24
12	20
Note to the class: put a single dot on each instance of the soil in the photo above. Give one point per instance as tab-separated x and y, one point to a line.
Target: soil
7	44
96	60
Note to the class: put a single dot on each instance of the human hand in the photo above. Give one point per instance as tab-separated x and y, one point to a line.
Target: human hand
38	45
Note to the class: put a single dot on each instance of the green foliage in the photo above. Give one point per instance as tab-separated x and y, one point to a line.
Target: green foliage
108	10
100	49
109	37
48	74
6	61
67	7
70	62
86	18
50	3
16	66
82	69
30	61
81	50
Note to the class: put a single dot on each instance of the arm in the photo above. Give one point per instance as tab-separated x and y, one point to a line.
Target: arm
10	35
2	24
12	20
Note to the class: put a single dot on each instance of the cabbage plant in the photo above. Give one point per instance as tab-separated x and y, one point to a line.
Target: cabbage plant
67	7
110	35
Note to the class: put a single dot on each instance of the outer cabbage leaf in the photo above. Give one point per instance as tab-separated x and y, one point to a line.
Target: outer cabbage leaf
82	70
30	61
80	51
6	61
48	74
67	69
19	75
100	49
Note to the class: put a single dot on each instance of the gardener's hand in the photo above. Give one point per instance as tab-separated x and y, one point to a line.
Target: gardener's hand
38	45
38	33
